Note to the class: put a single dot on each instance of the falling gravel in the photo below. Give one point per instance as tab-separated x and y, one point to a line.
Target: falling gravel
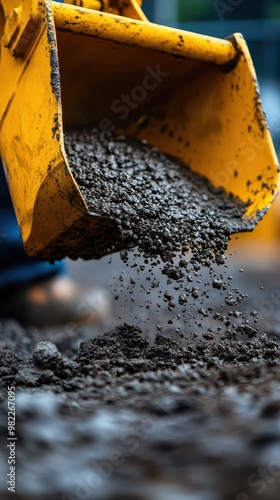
172	217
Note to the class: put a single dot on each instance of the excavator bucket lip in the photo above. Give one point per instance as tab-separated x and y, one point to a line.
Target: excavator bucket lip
144	34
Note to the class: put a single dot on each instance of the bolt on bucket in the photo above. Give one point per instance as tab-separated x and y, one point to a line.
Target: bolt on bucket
192	96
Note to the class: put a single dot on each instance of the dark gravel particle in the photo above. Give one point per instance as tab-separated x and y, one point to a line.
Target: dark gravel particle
46	355
217	284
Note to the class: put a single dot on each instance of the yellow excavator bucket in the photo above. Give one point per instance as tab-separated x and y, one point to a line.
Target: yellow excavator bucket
102	64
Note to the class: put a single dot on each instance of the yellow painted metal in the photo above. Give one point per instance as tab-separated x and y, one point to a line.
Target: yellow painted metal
192	96
88	4
126	8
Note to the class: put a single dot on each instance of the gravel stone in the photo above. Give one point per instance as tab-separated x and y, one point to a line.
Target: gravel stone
46	355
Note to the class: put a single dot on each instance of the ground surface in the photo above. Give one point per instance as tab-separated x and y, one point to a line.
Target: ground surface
121	417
